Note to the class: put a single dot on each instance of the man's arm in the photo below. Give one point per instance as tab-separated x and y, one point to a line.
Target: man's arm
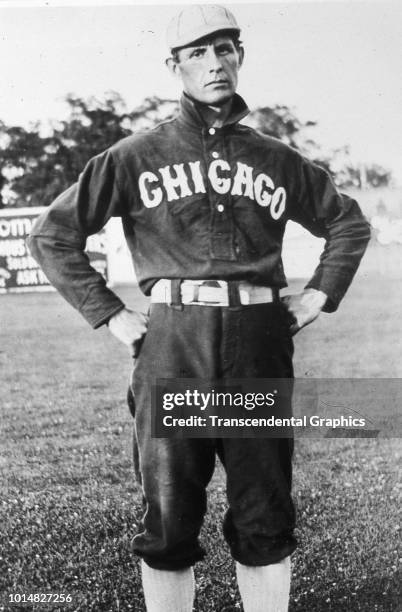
58	240
326	213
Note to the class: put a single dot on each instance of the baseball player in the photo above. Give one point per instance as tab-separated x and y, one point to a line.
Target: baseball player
204	201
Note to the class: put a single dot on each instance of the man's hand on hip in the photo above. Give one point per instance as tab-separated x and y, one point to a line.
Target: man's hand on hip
305	307
129	327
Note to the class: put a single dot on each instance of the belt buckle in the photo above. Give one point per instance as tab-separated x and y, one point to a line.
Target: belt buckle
212	284
191	297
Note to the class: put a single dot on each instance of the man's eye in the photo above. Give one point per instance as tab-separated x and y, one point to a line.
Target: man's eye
197	53
223	50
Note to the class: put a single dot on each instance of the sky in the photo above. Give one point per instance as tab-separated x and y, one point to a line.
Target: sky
338	63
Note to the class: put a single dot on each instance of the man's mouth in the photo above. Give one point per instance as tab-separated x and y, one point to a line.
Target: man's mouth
218	82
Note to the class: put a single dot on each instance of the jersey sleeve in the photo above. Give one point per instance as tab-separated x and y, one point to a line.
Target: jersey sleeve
58	239
326	213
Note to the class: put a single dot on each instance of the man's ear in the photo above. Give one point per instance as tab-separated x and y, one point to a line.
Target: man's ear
172	66
241	55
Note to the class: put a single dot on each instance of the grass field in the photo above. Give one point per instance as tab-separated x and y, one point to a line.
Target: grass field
69	504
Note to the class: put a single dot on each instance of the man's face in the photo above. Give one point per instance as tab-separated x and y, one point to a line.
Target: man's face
209	69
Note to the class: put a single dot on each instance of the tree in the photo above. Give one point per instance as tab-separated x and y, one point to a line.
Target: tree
281	122
36	168
377	176
362	176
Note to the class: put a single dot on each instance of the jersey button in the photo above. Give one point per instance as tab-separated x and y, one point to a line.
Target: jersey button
220	208
211	131
215	155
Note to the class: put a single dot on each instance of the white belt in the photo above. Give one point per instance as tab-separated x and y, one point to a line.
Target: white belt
196	292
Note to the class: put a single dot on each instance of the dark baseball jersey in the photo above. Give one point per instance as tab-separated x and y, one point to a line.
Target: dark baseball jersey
198	203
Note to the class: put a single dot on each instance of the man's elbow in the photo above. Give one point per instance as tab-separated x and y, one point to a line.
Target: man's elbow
42	249
365	232
32	244
361	224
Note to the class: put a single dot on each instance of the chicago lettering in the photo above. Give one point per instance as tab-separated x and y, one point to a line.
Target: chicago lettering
181	180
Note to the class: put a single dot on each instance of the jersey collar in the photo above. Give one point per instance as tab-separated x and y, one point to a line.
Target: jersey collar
191	115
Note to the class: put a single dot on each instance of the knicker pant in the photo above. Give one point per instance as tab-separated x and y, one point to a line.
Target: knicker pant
213	342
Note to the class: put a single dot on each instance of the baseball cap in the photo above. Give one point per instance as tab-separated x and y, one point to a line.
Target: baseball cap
199	20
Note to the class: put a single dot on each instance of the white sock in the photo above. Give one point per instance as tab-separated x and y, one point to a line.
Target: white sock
266	588
167	591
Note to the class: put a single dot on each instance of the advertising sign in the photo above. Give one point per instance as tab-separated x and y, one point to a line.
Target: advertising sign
19	272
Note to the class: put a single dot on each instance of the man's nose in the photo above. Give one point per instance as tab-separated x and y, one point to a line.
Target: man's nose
213	60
